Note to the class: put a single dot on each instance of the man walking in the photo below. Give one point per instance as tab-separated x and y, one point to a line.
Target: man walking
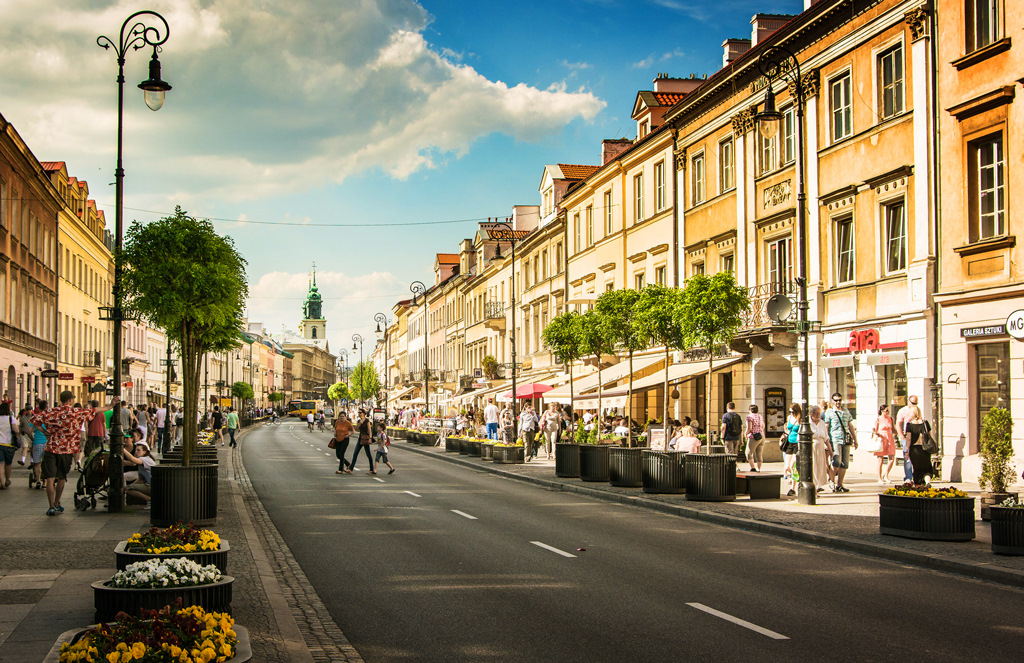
162	443
843	436
902	417
491	419
217	420
232	425
732	429
97	430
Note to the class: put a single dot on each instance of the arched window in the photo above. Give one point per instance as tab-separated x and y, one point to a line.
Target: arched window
314	332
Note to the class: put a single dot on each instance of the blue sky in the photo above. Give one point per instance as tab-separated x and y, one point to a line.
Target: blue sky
343	112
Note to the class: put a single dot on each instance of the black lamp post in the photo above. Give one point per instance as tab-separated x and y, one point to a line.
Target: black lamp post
356	338
504	231
169	363
417	288
382	319
775	64
135	34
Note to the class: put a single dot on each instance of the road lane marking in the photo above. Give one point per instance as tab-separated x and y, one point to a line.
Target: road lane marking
552	549
327	454
379	479
319	449
464	515
741	622
409	492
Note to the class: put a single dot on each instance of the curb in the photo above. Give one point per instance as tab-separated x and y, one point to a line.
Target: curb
888	553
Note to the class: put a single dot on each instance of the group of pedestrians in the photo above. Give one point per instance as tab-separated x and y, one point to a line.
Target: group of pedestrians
362	427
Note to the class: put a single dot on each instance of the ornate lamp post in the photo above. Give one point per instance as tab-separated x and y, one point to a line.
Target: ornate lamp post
776	64
135	34
356	338
504	231
417	288
382	333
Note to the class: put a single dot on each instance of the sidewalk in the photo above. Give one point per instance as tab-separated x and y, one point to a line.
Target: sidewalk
843	521
47	564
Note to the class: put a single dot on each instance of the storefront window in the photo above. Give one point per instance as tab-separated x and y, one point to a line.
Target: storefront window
992	378
894	387
843	382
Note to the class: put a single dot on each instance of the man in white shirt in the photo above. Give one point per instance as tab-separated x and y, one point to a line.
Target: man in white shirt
161	423
309	421
491	419
902	417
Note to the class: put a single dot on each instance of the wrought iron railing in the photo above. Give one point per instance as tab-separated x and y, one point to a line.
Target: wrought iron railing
91	358
494	310
757	314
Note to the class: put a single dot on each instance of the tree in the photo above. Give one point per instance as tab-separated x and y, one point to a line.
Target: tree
276	397
242	390
490	366
658	317
709	313
338	392
364	383
594	340
618	310
180	275
562	338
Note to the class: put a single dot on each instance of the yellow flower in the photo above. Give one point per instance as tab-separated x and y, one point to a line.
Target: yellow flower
138	649
113	657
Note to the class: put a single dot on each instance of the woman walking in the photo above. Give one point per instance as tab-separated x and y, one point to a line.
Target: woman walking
10	440
790	447
552	423
528	427
884	431
506	420
821	449
342	429
917	429
363	428
755	439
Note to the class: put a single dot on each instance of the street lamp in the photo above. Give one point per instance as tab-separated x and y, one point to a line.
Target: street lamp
135	34
499	232
382	319
356	338
417	288
778	63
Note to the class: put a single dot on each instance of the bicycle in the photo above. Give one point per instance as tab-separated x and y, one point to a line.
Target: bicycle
276	420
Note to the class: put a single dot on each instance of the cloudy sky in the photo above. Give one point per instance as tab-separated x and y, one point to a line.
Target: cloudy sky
364	135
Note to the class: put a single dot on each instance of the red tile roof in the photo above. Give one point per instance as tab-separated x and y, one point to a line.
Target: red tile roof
51	165
577	172
668	98
447	258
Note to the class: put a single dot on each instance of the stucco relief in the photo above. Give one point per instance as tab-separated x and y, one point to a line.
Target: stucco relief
777	194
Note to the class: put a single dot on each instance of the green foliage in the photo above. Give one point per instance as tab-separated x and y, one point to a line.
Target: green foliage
276	397
364	382
242	390
710	310
585	436
180	275
562	337
338	392
490	366
594	336
619	312
658	315
996	450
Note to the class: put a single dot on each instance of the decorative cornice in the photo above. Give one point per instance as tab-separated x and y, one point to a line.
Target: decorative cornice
680	154
808	84
917	19
743	121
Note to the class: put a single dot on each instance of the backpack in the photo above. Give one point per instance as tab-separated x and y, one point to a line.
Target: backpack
734	425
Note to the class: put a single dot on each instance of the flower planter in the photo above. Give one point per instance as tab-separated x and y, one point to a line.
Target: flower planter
487	451
188	494
428	439
472	447
412	437
663	471
452	444
109	601
594	462
989	500
396	433
625	466
509	455
567	460
243	648
1007	530
934	519
218	558
711	477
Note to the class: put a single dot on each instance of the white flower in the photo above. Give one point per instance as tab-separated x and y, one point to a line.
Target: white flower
167	572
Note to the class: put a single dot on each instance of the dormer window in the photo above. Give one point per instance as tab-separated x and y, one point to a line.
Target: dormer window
645	128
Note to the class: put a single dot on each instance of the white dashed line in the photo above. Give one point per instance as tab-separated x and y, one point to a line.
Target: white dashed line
409	492
319	449
741	622
464	515
379	479
552	549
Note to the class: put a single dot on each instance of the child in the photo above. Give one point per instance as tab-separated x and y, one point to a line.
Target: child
382	449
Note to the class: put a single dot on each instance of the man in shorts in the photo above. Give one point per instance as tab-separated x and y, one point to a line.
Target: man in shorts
63	429
843	436
232	423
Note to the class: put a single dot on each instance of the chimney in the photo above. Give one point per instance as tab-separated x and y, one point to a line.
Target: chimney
611	148
666	83
733	48
764	25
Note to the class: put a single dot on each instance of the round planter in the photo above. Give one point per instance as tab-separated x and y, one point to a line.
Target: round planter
625	466
509	455
243	648
1007	530
711	477
452	444
428	439
567	460
396	434
218	558
663	471
487	451
594	462
412	437
188	494
109	601
472	447
989	500
932	519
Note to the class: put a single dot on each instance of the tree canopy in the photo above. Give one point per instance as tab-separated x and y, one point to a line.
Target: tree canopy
338	392
364	382
562	337
242	390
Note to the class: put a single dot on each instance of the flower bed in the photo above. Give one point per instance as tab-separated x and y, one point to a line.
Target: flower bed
926	512
202	546
154	583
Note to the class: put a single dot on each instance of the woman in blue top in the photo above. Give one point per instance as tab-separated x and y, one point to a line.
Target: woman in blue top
791	447
38	442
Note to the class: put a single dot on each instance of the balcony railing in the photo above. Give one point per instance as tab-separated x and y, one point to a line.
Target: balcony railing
757	315
494	310
27	341
91	358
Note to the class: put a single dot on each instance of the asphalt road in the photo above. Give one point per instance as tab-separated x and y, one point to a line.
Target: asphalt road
439	562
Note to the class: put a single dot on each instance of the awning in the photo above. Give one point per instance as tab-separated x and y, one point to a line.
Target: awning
402	394
676	373
590	402
487	393
886	358
522	387
608	375
836	361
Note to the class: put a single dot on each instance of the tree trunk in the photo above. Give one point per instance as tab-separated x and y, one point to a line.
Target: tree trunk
599	390
629	403
707	398
572	408
664	402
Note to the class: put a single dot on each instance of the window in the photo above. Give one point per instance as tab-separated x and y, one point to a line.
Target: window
558	258
729	263
697	268
645	128
638	198
659	275
789	135
638	281
844	250
659	186
768	154
609	286
992	378
895	216
697	179
890	82
579	231
609	221
590	225
15	213
984	23
840	95
726	165
780	270
544	264
988	187
3	204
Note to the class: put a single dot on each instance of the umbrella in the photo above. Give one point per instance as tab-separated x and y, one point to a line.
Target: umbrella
529	390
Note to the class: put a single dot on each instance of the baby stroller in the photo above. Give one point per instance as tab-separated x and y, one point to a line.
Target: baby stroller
92	482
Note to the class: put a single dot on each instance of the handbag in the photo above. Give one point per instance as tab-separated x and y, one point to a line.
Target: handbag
782	442
756	436
928	443
331	444
364	439
874	444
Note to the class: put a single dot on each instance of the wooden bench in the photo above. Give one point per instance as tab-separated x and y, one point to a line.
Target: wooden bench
759	485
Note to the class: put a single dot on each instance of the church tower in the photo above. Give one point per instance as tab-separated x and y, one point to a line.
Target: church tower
313	325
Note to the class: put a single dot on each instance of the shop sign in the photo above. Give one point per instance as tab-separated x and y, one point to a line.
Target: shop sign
50	373
1015	324
66	376
864	340
977	332
88	380
887	358
837	362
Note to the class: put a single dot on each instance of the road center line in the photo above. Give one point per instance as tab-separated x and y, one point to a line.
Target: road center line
379	479
409	492
552	549
736	620
319	449
464	515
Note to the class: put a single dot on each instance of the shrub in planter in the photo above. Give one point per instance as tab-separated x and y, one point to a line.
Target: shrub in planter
926	512
996	451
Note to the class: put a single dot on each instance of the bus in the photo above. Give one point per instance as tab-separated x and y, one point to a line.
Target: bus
301	408
293	408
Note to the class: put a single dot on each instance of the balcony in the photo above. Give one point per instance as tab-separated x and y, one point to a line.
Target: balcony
33	344
91	359
494	316
758	328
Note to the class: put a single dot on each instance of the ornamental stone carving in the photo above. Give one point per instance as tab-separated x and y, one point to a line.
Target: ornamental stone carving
777	194
680	155
809	82
743	121
917	19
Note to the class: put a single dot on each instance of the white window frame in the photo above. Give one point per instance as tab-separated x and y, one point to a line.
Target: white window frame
579	232
779	273
901	240
638	197
898	77
609	219
845	243
726	164
767	153
978	37
996	166
659	186
727	263
639	280
788	151
841	114
590	225
697	268
698	178
661	274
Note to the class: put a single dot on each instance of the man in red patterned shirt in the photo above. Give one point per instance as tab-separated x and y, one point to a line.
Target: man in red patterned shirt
63	428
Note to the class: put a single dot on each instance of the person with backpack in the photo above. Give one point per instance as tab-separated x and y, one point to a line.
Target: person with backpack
732	428
383	443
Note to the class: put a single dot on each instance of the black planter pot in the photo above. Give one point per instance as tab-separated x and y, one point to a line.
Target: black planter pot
509	455
1007	530
109	601
933	519
218	558
188	494
989	500
396	434
711	477
567	460
663	471
452	444
487	451
594	462
625	466
428	439
472	447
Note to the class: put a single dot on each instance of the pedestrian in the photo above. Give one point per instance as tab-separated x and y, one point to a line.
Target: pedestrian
383	442
96	431
551	422
10	440
363	428
902	417
217	423
821	450
755	439
684	439
342	430
883	433
491	419
917	430
507	422
38	446
232	423
732	428
27	432
790	446
844	439
528	421
62	428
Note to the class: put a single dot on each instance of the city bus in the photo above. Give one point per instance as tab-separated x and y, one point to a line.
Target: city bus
293	408
301	408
